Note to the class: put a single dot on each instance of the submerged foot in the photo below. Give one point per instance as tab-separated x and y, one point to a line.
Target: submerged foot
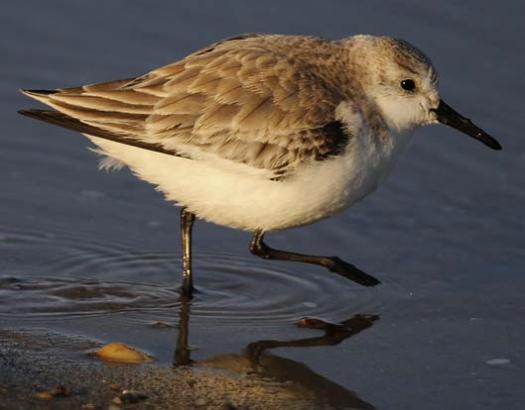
351	272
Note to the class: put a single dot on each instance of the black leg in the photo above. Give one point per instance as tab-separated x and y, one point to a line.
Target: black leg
186	224
332	263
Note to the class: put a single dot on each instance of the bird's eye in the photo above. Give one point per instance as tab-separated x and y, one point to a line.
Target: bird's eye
408	85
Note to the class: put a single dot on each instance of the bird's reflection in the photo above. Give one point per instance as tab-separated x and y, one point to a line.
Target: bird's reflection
182	351
298	380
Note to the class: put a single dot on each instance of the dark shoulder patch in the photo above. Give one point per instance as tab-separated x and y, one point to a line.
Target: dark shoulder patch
317	144
336	139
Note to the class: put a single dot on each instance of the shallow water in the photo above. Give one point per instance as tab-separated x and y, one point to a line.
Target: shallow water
94	256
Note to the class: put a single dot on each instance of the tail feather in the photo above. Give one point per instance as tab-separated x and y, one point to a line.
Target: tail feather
101	111
39	95
66	121
115	110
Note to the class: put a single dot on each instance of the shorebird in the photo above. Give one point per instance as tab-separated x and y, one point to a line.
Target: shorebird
263	132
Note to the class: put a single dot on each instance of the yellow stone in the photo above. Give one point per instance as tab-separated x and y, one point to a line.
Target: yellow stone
122	353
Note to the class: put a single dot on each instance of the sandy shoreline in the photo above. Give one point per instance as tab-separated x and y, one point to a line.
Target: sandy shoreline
37	360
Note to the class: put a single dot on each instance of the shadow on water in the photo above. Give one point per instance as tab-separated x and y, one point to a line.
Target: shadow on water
297	380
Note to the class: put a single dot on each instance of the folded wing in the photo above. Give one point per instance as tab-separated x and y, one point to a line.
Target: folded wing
255	100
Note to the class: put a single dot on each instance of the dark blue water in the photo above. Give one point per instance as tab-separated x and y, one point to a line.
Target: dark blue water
97	255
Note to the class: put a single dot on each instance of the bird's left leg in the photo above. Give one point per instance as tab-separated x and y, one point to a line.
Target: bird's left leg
332	263
186	225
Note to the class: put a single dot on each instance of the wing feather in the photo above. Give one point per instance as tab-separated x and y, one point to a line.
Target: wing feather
266	101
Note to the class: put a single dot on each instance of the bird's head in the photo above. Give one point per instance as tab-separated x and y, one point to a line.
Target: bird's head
402	83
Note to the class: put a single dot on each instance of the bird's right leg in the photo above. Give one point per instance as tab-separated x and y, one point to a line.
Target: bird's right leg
332	263
186	225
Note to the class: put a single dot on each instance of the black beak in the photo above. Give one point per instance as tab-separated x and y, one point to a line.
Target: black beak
448	116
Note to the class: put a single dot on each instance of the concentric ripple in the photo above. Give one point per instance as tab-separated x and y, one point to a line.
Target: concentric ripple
100	279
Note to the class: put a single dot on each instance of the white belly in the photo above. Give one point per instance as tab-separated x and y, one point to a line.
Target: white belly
226	196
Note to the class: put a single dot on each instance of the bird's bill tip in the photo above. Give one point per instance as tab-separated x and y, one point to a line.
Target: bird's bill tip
445	114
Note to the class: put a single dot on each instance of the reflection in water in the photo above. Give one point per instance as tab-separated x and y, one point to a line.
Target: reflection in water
294	380
233	294
182	351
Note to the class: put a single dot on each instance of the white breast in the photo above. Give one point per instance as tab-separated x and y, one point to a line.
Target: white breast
248	201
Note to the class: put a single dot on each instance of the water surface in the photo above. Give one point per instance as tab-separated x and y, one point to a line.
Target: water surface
89	258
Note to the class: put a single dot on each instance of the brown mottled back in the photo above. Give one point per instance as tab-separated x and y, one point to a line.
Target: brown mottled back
264	100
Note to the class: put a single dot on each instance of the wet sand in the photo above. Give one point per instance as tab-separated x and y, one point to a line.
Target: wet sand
36	361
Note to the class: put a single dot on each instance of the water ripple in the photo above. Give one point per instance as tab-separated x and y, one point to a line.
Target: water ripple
93	278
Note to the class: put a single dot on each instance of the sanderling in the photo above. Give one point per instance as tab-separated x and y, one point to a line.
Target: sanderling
263	132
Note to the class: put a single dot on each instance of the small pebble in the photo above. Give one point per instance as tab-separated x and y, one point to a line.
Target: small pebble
132	396
115	387
498	361
117	401
43	395
161	325
57	391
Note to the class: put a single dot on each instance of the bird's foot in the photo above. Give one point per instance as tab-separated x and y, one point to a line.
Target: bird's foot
351	272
